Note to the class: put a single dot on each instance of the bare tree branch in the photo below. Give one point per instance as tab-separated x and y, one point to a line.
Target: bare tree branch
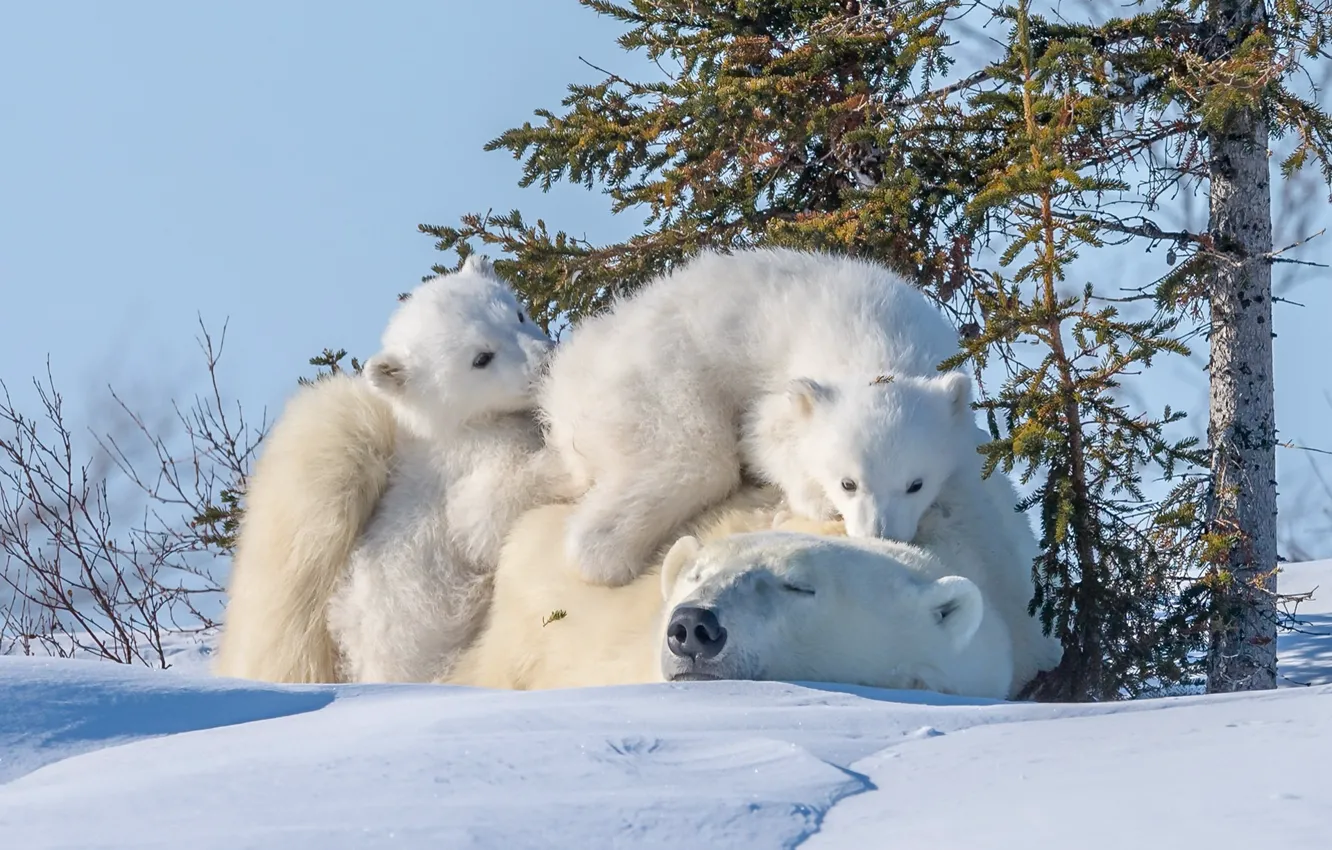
79	579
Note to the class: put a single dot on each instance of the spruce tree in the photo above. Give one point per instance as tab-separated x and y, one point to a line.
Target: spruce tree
841	125
786	121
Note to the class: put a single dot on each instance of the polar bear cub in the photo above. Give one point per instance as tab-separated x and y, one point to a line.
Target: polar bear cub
468	464
645	404
876	433
742	602
377	511
877	453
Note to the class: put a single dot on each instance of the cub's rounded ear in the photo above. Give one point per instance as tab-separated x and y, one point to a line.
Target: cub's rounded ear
479	264
955	606
386	373
957	388
805	393
680	555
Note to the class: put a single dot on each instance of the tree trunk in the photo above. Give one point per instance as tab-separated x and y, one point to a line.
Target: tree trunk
1242	427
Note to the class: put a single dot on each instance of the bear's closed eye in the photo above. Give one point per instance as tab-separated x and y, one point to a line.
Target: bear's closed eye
795	588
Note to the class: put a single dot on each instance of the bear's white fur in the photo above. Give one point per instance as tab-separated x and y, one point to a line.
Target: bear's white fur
981	524
902	432
887	614
376	515
973	525
644	404
877	453
803	607
971	522
597	643
324	465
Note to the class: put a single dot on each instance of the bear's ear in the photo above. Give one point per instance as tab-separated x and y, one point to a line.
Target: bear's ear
681	555
478	264
955	606
386	373
804	393
957	388
781	518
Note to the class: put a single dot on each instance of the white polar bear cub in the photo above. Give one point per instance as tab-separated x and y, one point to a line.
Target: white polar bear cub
646	403
886	435
377	509
458	364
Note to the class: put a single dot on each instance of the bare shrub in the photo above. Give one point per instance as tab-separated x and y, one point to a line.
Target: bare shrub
81	579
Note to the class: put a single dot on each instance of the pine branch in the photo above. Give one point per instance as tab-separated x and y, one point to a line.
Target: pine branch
1148	229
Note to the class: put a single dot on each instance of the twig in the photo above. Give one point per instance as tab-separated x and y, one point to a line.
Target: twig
1291	445
1274	254
636	88
944	91
79	580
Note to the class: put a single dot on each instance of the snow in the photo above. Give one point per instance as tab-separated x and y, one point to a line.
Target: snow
1305	656
98	756
1244	771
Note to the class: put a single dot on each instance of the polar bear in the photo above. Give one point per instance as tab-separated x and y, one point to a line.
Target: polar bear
520	646
981	524
739	601
324	465
376	513
834	439
981	535
645	404
802	607
877	453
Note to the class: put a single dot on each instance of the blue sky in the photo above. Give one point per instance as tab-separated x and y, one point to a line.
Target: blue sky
268	163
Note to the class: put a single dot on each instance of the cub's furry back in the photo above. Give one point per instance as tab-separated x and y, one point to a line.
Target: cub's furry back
644	404
324	467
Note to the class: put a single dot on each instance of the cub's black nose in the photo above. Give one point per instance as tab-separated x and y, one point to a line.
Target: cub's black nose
695	633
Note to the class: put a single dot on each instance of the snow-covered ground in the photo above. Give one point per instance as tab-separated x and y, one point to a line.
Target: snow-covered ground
1305	656
98	756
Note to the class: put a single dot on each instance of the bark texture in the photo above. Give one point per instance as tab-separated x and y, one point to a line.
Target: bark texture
1242	424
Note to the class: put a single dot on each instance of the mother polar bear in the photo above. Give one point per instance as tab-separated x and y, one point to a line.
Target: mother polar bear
814	373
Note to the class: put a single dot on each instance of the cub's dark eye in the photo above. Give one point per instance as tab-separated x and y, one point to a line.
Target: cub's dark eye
848	485
521	317
915	486
795	588
483	359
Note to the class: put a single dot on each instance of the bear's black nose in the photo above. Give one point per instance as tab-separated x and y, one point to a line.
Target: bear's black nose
695	633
